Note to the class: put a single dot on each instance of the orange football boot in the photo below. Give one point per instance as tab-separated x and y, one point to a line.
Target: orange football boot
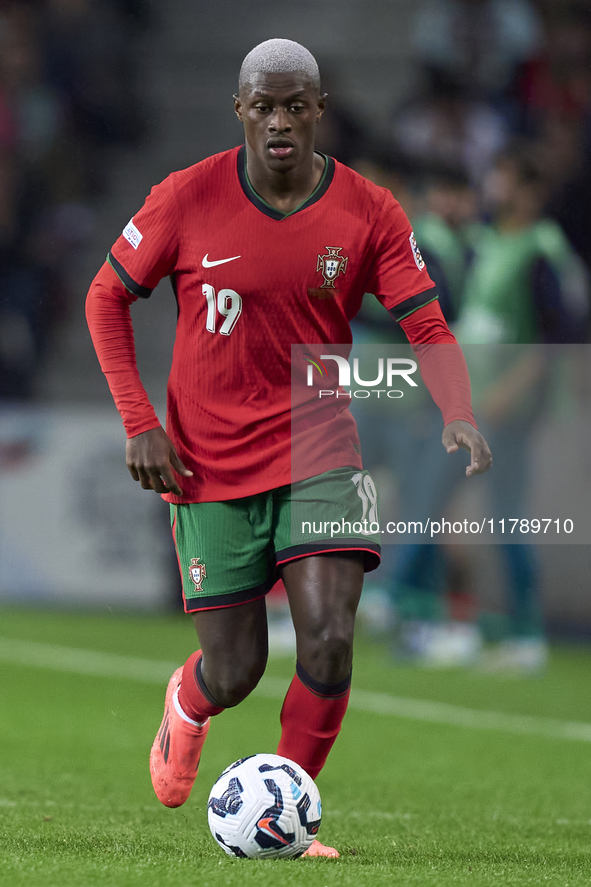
176	751
318	849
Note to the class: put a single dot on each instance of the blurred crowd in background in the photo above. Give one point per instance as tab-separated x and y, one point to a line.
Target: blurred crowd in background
490	159
490	156
68	98
491	73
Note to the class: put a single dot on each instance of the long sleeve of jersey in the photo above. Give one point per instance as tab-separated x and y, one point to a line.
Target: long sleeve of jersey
441	361
109	321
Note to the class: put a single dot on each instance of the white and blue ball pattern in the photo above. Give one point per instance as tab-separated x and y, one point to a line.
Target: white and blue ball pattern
264	806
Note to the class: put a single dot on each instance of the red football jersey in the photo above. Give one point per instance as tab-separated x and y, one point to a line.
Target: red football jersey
251	281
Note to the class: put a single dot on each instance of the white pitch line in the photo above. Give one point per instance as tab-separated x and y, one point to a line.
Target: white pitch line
151	671
86	662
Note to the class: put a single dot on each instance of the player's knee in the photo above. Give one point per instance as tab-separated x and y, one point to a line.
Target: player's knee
230	687
329	654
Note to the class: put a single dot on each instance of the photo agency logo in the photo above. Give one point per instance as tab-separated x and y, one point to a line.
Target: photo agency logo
391	371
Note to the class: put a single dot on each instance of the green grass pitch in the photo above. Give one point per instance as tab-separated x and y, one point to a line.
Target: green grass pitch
407	801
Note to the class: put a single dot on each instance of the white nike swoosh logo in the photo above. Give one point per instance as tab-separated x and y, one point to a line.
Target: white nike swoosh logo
207	264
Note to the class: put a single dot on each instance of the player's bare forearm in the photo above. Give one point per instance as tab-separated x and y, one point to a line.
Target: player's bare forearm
152	460
462	435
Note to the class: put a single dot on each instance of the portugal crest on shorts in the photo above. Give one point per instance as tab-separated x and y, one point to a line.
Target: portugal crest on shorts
198	573
331	265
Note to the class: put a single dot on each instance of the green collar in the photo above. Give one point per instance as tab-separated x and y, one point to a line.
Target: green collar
271	211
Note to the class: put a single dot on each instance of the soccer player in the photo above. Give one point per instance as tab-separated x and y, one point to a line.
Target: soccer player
243	236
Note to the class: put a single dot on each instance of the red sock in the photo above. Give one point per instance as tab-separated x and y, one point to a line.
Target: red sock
195	699
311	719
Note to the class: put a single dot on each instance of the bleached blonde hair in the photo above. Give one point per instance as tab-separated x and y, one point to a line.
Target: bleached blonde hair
279	56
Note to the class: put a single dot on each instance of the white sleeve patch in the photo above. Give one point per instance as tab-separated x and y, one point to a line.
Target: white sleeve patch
420	262
132	235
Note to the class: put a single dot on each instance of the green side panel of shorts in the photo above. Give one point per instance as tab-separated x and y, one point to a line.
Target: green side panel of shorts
223	548
340	504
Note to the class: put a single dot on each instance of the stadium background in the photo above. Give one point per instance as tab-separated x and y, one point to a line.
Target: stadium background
449	776
98	102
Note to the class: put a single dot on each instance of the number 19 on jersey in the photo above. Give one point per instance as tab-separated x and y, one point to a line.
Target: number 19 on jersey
228	303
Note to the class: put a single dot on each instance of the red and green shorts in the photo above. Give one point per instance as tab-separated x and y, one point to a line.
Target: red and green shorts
229	552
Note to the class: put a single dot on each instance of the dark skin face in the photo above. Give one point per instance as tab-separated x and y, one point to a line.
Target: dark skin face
280	113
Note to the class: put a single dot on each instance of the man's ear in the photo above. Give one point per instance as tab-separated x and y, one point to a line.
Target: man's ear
321	106
237	106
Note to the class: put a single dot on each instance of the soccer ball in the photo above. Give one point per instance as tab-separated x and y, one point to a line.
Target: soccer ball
264	806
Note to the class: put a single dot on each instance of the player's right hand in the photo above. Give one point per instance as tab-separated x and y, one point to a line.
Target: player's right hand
152	459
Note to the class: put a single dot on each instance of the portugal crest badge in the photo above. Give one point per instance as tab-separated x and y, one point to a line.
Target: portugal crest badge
331	265
198	573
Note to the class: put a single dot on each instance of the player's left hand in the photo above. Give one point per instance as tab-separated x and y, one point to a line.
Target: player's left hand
461	434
